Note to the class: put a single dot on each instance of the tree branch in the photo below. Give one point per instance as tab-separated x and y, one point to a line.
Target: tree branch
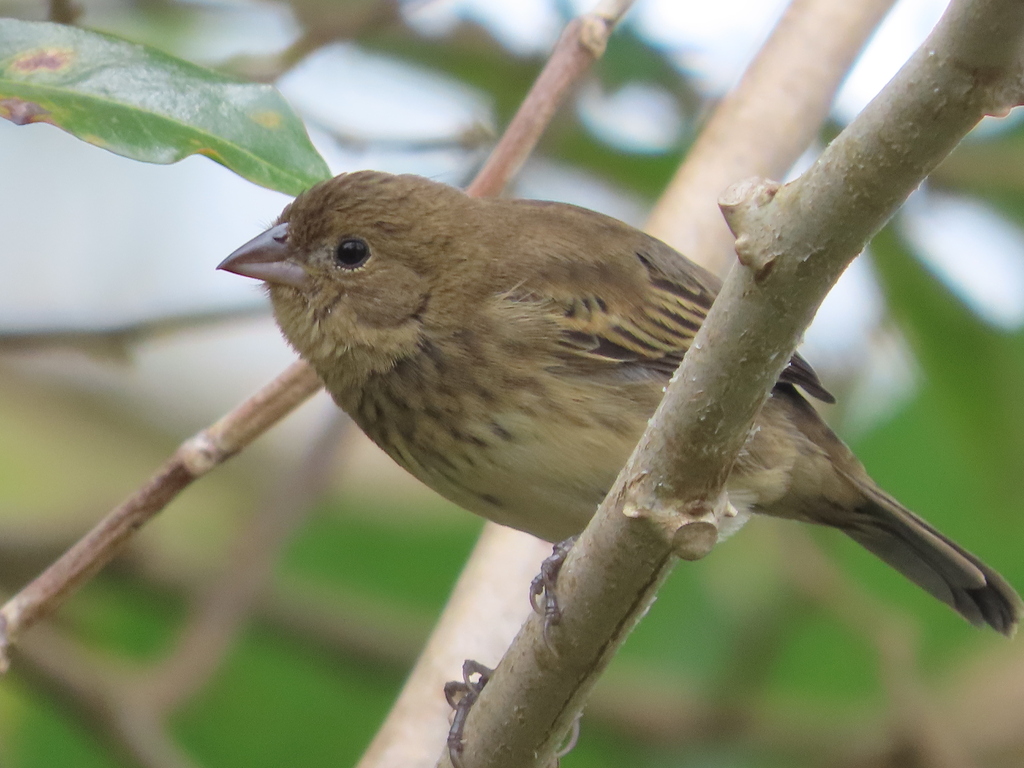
64	11
582	43
793	243
915	726
103	695
117	340
229	602
763	125
194	458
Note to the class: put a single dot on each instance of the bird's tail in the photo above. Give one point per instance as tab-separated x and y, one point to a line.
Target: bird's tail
941	567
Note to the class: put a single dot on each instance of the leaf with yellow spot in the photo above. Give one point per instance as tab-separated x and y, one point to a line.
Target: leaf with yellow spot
268	119
142	103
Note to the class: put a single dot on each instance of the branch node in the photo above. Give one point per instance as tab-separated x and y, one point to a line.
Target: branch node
694	540
742	205
690	529
200	453
1007	95
635	512
593	35
745	197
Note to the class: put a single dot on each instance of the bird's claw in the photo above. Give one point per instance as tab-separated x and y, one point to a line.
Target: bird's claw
542	589
461	695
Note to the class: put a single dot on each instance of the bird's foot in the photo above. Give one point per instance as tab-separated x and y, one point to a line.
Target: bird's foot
542	590
461	695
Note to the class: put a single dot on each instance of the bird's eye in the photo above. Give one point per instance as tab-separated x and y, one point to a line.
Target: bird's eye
352	253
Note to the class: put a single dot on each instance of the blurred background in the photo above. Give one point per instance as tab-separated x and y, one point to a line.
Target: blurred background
786	647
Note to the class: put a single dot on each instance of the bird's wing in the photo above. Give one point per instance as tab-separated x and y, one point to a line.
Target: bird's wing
649	334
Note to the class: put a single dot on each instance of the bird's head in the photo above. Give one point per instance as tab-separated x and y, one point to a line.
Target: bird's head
357	264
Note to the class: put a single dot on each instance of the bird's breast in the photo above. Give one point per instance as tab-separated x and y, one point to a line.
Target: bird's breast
537	453
534	451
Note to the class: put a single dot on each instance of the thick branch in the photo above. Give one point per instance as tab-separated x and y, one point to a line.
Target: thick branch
795	242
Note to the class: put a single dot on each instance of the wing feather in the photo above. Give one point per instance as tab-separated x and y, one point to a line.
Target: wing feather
647	336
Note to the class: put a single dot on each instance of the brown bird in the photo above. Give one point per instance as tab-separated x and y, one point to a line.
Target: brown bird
509	353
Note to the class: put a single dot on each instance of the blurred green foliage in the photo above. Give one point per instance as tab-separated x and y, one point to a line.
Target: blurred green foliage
732	631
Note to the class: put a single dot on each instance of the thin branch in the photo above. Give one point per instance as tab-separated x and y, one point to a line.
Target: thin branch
473	137
227	605
322	23
194	458
101	694
117	340
347	625
343	621
131	708
763	125
914	720
983	166
582	42
793	243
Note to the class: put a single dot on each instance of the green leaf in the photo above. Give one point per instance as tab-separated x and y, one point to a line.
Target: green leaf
144	104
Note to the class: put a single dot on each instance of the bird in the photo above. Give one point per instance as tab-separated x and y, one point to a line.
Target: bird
508	353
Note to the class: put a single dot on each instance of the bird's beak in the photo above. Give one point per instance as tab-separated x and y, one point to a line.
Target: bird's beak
265	257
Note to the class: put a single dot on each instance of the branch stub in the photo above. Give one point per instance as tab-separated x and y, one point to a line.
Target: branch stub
593	35
741	205
692	541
